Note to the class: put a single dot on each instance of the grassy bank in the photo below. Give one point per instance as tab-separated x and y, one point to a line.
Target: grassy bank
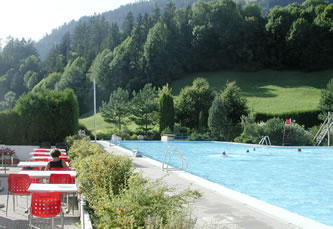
269	91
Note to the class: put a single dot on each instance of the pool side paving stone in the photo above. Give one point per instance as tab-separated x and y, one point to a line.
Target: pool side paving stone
19	219
219	207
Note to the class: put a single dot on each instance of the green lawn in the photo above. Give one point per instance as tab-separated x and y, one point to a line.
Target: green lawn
266	91
101	125
269	91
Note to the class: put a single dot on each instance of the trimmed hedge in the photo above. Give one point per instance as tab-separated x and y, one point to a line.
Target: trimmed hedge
306	118
40	116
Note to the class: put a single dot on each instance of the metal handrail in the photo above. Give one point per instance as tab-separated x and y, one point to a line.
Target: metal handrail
168	155
266	140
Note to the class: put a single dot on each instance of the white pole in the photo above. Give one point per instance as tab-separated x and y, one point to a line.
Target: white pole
329	124
95	106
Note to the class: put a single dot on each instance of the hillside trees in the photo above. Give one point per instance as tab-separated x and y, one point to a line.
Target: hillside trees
74	77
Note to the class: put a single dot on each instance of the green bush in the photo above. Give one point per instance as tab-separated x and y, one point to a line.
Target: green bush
82	148
144	204
274	128
197	136
306	118
118	198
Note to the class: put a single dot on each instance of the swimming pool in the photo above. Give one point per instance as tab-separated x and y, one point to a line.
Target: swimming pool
300	182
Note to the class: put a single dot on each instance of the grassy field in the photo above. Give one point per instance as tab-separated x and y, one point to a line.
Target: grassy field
269	91
266	91
102	126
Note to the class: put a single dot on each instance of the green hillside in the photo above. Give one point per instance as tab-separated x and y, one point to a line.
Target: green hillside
266	91
269	91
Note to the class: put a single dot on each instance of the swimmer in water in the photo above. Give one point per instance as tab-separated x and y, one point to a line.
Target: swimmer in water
247	151
224	154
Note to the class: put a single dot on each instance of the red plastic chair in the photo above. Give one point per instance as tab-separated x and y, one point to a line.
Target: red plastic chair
39	155
62	179
41	159
33	179
46	205
18	184
61	169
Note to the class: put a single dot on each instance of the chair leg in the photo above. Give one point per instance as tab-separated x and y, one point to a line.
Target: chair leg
30	219
14	202
7	203
26	210
52	220
62	219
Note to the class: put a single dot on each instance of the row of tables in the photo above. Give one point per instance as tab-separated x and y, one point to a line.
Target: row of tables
43	174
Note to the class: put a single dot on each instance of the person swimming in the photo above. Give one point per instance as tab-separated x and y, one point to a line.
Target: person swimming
224	154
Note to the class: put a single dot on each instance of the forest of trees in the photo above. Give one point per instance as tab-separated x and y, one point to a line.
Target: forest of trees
160	47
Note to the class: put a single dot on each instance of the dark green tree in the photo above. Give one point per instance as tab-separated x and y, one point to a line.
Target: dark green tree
145	107
117	108
166	112
225	114
100	70
74	77
48	82
192	100
326	100
128	25
9	101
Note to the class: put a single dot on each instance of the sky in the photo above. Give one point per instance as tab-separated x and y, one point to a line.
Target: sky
33	19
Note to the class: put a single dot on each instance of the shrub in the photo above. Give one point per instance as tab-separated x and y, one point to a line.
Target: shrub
144	203
82	148
274	128
69	140
197	136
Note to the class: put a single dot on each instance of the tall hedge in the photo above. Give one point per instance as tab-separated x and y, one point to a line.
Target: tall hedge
306	118
11	128
41	116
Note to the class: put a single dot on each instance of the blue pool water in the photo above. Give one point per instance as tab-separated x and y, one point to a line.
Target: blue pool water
301	182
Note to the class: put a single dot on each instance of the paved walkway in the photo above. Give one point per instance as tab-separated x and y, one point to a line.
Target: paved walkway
221	207
19	219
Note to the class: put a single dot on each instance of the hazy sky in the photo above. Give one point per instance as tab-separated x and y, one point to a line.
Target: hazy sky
34	18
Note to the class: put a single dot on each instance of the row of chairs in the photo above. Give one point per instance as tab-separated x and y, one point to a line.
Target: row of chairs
44	205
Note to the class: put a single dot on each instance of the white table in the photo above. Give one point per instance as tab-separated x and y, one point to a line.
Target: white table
61	150
43	153
34	164
46	174
47	157
52	188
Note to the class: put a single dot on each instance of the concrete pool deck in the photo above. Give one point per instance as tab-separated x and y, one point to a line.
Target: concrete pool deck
220	207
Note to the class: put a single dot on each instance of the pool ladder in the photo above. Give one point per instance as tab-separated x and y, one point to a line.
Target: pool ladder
171	150
265	140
